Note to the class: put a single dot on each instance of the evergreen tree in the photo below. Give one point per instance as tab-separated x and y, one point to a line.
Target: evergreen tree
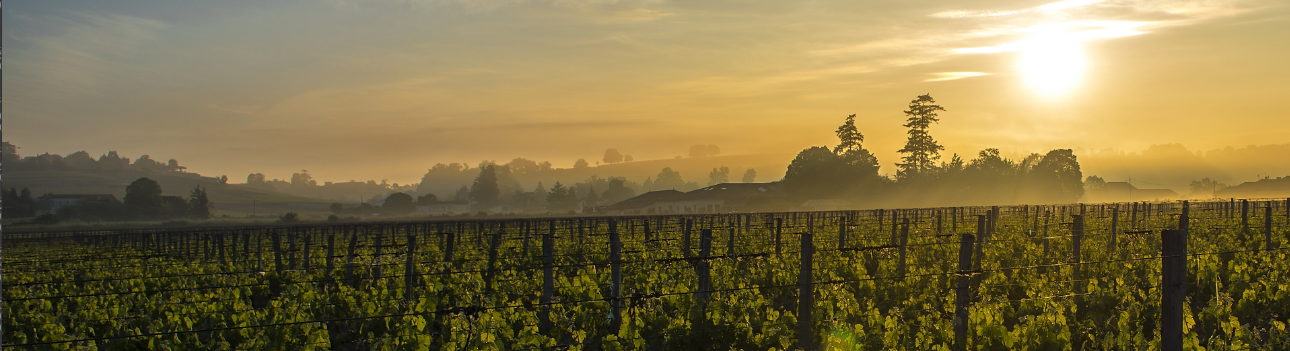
592	199
199	204
484	192
921	151
719	175
849	137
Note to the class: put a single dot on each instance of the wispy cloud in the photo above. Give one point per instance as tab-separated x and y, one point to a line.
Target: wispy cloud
77	59
944	76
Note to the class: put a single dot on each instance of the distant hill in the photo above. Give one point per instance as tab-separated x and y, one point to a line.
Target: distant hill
172	183
769	167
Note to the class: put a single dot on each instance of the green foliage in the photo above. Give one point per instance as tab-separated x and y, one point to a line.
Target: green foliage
398	204
484	193
143	193
1236	300
921	150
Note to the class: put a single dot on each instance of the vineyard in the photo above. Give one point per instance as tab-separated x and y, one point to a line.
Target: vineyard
1126	276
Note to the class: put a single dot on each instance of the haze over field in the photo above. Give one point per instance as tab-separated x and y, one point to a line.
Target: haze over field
384	89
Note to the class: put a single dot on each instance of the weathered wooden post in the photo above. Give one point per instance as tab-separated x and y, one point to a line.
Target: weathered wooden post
1245	215
685	237
616	276
730	239
304	264
1115	222
1267	226
409	271
894	229
880	216
940	213
842	232
350	279
331	253
291	249
1077	235
377	256
704	266
492	258
548	279
962	293
806	293
1173	292
904	240
1133	217
219	241
277	252
779	226
980	233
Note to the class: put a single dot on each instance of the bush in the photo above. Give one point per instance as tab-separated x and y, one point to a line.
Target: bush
45	219
289	217
333	218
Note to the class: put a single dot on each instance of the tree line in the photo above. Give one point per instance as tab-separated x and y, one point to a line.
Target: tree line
84	162
849	171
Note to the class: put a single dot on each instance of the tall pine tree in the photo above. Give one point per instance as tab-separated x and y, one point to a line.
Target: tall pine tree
921	151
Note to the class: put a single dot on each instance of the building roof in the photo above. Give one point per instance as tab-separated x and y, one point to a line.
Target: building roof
727	192
646	199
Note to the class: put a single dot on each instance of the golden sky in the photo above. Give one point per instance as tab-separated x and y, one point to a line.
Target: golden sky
384	89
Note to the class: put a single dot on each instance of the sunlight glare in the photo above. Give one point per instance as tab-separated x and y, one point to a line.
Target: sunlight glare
1052	61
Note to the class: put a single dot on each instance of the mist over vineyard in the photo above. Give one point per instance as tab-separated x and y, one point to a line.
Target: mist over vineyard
645	175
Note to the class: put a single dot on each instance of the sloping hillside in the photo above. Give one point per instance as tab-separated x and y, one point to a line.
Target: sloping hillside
172	183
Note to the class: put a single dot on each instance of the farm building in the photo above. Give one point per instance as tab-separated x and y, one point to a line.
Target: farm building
51	203
444	207
1123	191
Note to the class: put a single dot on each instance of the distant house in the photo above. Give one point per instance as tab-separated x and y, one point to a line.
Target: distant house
444	207
1123	191
51	203
1264	188
724	197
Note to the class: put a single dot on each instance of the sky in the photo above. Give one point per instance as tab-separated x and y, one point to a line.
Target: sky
384	89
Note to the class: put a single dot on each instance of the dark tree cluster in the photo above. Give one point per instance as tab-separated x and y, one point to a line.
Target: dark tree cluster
143	200
850	171
83	162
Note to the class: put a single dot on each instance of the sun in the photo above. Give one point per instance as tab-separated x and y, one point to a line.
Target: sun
1052	61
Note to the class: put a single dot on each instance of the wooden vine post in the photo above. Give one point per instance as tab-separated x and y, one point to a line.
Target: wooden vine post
548	280
616	276
962	293
806	293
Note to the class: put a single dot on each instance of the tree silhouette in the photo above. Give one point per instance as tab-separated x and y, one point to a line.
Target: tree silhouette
1060	176
199	205
617	191
143	193
398	203
613	156
750	175
921	151
581	163
719	175
484	191
668	179
848	136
